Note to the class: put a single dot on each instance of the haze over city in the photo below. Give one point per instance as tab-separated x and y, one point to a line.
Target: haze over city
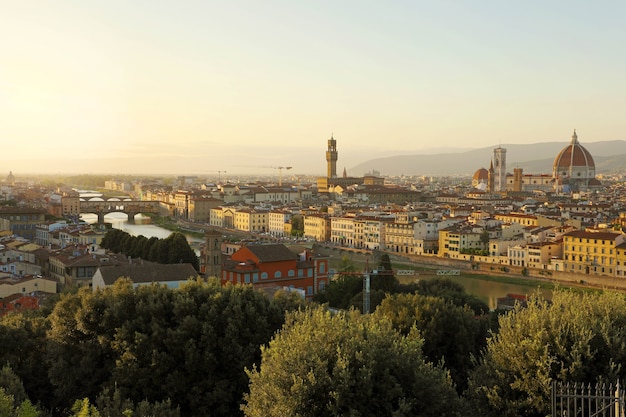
201	86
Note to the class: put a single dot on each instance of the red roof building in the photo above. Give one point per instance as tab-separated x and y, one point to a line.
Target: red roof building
276	266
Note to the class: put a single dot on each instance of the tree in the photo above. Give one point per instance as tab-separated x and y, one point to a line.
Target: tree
453	292
9	409
451	334
340	292
349	364
179	251
113	405
22	349
573	338
297	225
484	239
173	249
384	280
189	346
83	408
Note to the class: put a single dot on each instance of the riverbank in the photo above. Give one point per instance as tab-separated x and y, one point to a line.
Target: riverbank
427	266
175	226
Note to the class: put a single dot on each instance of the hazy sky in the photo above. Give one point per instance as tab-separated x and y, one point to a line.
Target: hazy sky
199	86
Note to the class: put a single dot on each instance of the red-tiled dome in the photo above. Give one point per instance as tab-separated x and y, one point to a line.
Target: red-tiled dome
573	155
481	175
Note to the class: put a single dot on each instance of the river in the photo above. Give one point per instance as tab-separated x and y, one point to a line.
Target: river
488	291
141	226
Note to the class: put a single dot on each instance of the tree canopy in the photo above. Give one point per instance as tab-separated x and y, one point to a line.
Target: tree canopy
189	345
173	249
452	334
346	365
573	338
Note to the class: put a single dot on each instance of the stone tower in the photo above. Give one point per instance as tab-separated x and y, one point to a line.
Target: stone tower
499	166
331	158
490	178
518	179
213	253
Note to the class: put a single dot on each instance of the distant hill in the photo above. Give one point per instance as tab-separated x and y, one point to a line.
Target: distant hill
534	158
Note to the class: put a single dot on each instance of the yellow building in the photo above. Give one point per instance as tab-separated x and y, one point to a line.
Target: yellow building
251	220
317	226
620	260
343	231
523	219
591	252
454	241
540	254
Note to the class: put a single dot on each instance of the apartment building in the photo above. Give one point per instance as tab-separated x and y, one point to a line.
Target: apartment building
343	231
591	252
456	240
541	254
200	208
249	220
523	219
317	227
400	235
277	220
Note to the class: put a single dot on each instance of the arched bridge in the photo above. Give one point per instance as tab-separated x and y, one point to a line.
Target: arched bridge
130	207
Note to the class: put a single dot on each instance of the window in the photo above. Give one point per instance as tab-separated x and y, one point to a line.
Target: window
291	273
263	275
255	277
278	274
246	278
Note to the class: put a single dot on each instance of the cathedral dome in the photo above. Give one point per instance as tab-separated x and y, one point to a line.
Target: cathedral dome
573	157
573	167
481	176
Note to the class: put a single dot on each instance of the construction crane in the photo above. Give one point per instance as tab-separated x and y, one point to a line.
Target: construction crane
280	174
219	174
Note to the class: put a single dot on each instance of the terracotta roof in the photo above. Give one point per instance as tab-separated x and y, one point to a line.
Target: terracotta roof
148	272
593	235
574	155
272	252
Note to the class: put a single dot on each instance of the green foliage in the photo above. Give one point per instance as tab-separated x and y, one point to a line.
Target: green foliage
12	384
173	249
484	238
113	405
22	349
83	408
8	408
346	365
451	334
453	292
340	291
297	225
189	346
574	338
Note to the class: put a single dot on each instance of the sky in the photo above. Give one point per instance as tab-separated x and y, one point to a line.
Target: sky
243	86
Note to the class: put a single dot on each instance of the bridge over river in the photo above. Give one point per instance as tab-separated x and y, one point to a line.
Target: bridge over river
114	205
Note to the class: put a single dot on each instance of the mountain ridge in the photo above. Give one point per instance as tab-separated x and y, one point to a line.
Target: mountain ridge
609	156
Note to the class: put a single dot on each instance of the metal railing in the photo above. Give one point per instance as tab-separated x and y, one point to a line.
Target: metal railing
587	400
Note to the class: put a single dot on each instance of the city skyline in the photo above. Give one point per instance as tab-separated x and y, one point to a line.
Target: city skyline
162	87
